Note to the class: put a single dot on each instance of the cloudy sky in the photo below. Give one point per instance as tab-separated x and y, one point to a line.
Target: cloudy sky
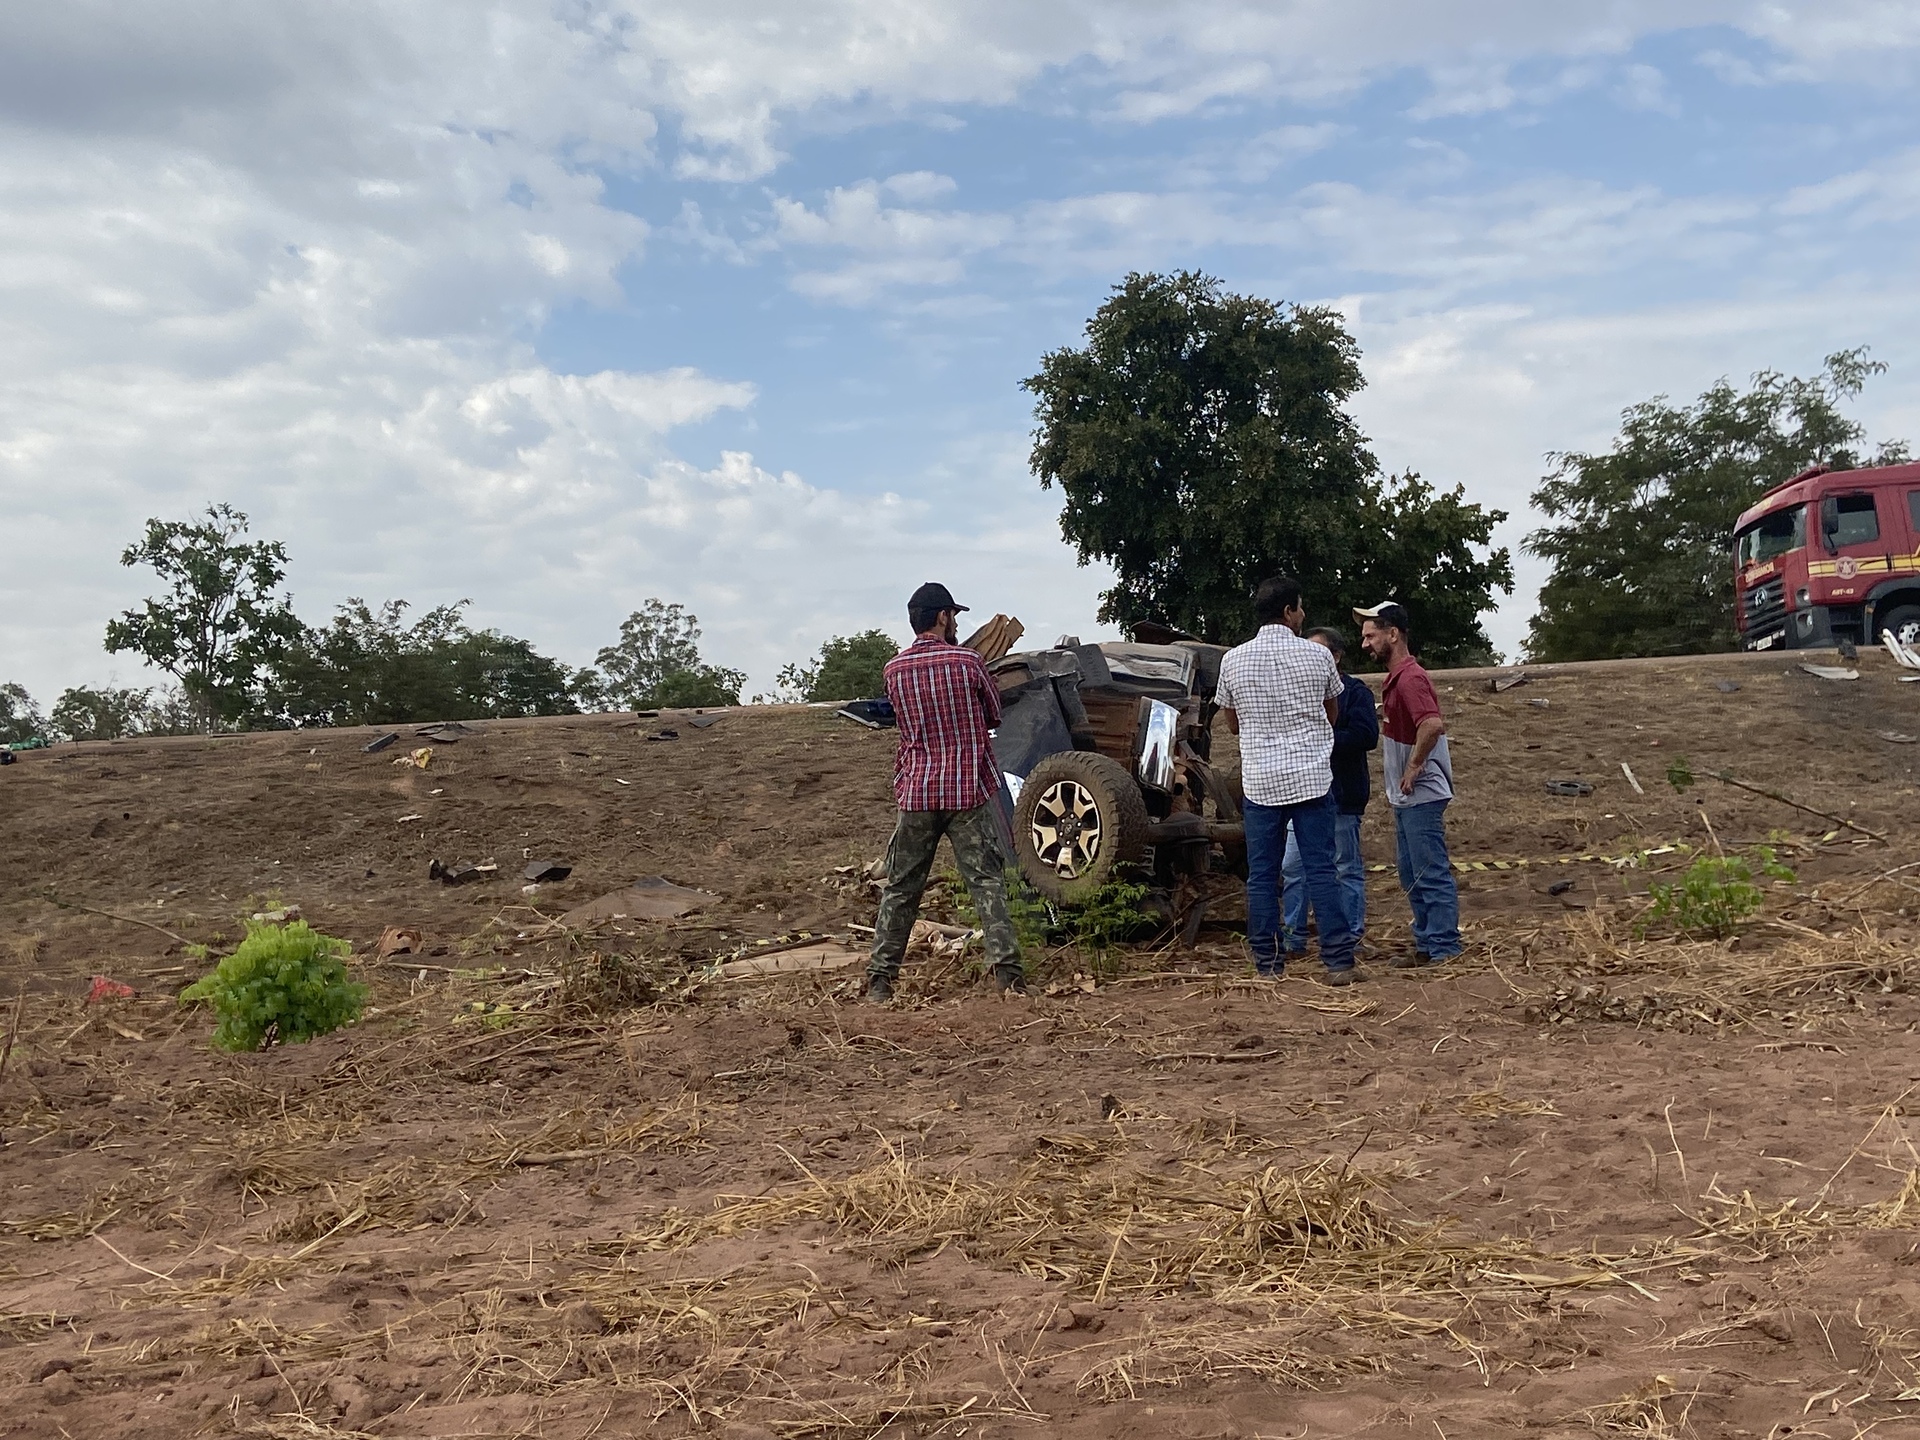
562	304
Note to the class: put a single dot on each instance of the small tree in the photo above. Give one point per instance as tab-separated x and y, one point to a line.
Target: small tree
1716	895
701	686
108	713
20	718
849	667
222	620
282	985
656	665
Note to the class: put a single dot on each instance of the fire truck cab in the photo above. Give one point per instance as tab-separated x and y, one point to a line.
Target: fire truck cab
1830	555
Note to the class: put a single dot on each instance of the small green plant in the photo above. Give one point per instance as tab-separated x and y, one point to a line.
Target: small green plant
1033	918
283	983
1113	914
1715	896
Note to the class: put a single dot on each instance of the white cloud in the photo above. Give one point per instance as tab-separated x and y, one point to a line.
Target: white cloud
1643	87
894	245
296	255
1887	191
1452	242
917	186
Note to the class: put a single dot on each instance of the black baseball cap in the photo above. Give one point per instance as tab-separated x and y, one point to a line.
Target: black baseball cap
932	596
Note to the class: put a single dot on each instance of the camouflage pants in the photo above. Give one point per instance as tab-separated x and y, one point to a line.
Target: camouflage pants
976	849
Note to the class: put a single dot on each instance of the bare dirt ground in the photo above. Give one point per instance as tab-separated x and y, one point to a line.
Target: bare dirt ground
1581	1183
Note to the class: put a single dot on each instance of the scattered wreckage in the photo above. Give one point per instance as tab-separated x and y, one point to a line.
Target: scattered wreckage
1106	759
1105	755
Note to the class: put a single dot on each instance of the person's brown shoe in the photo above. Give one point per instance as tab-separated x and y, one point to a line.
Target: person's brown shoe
879	990
1349	976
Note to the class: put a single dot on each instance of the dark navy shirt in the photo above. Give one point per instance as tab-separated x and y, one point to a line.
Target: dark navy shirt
1355	732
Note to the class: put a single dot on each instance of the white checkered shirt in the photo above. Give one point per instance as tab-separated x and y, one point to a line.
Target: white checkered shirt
1278	685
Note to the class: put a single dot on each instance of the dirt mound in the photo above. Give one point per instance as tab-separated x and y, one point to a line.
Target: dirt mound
571	1182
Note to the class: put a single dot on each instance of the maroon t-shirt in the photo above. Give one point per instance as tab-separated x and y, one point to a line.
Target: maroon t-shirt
1406	700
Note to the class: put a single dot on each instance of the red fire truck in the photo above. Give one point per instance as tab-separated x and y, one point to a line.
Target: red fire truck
1830	555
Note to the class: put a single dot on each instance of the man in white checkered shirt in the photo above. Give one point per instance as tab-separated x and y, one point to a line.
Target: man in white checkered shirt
1281	695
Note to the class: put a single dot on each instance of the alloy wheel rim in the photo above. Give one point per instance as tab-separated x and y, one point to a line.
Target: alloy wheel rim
1066	829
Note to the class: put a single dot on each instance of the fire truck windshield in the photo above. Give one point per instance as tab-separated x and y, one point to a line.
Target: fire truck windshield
1775	535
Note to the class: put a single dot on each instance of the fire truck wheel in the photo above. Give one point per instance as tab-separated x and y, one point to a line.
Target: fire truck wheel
1903	623
1080	818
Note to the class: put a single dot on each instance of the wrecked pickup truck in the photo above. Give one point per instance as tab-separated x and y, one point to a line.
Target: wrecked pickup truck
1104	752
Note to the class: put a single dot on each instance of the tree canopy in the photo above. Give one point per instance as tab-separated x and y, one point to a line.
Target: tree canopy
221	621
849	667
20	718
1202	443
370	667
656	665
1640	553
110	712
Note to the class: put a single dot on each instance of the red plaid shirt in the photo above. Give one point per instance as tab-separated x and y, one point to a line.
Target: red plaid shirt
945	703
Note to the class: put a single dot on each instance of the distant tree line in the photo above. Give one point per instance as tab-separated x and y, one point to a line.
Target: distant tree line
240	659
1201	442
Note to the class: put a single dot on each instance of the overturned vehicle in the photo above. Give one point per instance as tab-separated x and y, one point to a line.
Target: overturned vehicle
1105	752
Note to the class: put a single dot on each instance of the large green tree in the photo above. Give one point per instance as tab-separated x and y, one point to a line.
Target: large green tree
371	667
1640	547
222	620
1202	442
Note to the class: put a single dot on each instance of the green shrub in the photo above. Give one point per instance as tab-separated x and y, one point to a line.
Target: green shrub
1715	895
1033	918
1113	914
283	983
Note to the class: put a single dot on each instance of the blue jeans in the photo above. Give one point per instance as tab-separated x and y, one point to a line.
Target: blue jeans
1426	874
1353	883
1314	823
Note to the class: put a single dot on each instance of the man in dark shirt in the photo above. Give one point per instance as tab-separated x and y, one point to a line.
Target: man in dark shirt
1356	730
946	782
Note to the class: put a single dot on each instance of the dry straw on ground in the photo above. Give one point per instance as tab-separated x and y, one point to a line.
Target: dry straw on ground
1290	1355
1312	1235
1654	1411
1764	1230
1779	971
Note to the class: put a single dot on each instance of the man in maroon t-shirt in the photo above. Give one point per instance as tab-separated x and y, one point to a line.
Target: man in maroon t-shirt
1418	770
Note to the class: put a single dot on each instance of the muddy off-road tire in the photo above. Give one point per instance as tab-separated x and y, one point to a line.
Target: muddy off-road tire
1080	818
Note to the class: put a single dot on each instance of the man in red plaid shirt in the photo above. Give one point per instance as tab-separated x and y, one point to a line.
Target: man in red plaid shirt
946	782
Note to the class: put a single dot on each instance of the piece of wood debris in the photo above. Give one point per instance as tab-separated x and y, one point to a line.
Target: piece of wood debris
995	639
825	955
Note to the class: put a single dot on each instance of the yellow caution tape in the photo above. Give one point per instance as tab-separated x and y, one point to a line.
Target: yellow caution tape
1468	866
